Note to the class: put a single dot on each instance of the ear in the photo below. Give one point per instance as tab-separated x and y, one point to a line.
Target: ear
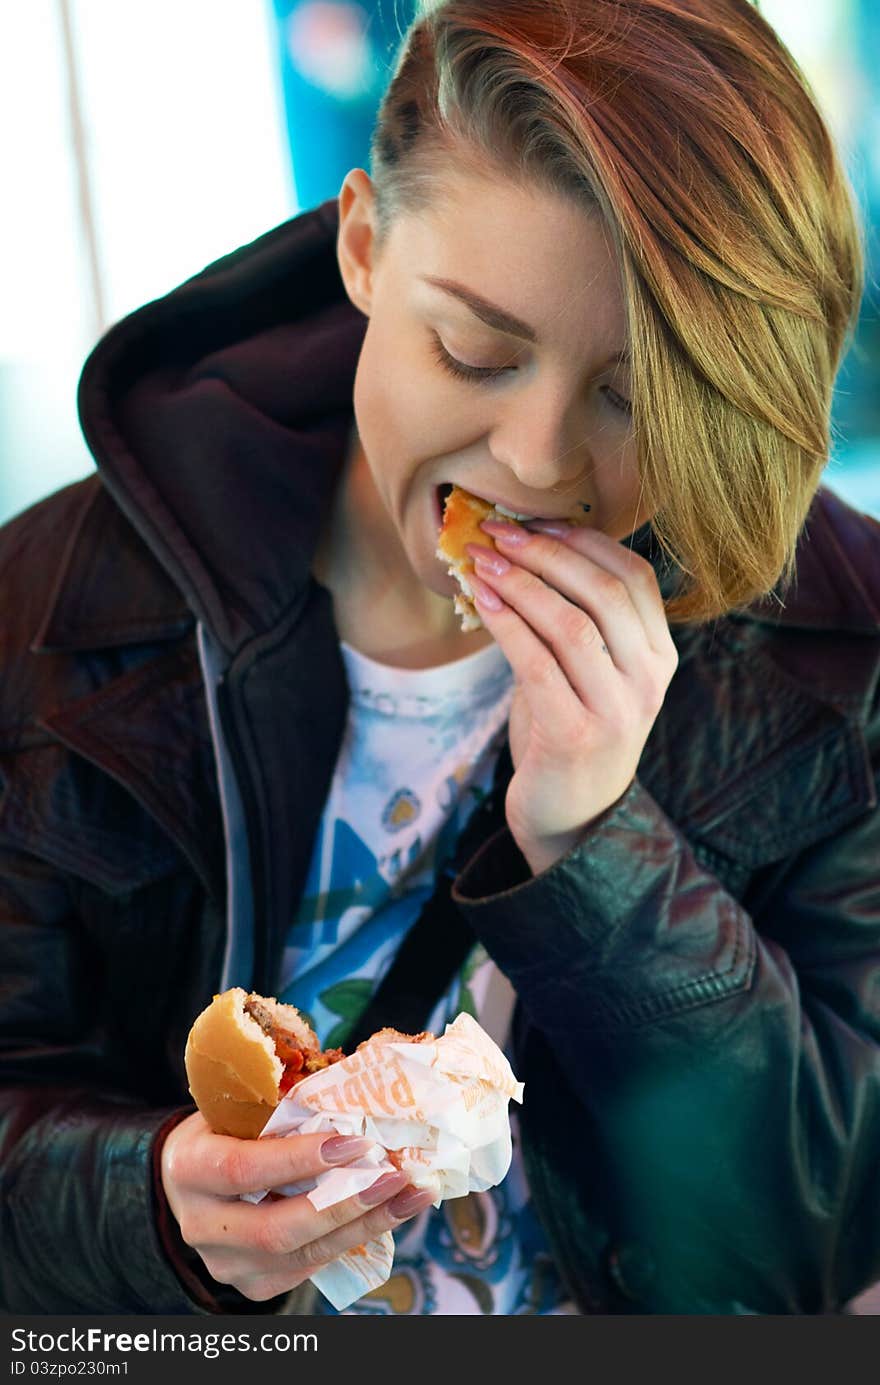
355	240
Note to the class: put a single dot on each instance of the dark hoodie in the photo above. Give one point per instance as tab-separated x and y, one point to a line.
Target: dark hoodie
696	1034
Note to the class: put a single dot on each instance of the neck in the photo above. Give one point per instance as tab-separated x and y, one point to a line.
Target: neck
380	608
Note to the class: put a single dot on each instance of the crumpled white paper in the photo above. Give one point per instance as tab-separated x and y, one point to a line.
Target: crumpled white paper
440	1106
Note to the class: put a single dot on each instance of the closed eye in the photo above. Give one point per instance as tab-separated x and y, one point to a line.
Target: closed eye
617	401
483	375
462	371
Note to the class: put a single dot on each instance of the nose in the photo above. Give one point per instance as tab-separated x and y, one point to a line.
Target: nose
543	441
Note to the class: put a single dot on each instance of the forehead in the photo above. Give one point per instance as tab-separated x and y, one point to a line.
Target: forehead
542	257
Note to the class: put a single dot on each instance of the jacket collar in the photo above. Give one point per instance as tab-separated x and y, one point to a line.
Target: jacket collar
109	590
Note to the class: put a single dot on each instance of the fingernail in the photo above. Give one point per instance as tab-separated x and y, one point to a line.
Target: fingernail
382	1189
410	1202
484	595
487	558
506	533
341	1148
552	527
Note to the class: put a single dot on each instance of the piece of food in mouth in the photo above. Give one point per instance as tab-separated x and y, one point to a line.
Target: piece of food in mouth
463	514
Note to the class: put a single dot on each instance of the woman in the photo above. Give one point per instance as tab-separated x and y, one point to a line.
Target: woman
605	267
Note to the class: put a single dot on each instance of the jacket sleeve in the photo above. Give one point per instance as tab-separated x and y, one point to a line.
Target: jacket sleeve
727	1067
79	1211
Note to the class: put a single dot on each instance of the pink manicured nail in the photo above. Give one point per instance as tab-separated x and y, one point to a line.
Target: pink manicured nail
412	1201
487	558
382	1189
552	527
340	1148
506	533
483	595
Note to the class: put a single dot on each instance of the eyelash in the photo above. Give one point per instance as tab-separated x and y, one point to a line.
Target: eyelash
476	375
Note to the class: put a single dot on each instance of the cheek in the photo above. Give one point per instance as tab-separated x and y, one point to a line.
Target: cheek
402	405
624	499
369	401
381	385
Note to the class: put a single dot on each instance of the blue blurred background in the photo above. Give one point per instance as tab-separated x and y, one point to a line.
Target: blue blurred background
143	141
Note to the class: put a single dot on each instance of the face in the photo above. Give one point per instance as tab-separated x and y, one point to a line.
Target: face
519	399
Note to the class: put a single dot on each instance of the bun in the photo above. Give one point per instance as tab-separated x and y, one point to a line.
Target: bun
463	514
243	1053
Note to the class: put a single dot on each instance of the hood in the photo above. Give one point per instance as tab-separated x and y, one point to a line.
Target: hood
219	417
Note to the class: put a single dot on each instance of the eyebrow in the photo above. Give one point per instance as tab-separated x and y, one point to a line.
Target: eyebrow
501	320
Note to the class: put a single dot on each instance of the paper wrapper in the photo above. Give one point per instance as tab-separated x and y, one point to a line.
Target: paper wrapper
441	1109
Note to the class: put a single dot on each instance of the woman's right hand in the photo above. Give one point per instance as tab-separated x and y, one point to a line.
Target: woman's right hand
268	1248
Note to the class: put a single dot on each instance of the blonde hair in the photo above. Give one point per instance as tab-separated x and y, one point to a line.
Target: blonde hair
688	126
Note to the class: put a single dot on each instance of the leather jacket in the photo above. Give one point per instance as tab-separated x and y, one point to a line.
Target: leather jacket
698	1024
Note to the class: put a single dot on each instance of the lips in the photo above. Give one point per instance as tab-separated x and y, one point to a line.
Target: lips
503	507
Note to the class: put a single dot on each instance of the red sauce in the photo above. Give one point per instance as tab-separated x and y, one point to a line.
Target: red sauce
297	1064
293	1061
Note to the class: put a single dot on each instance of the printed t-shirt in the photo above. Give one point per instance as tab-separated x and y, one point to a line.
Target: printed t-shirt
417	755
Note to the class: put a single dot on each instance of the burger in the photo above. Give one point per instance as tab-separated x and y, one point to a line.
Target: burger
245	1052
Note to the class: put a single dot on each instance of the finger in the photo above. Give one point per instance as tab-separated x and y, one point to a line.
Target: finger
251	1238
567	637
407	1203
226	1167
284	1225
586	587
550	695
282	1273
614	556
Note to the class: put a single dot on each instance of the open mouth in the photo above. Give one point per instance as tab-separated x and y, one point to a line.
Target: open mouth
444	490
441	495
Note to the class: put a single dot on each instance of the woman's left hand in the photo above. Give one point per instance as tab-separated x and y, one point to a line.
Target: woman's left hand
582	625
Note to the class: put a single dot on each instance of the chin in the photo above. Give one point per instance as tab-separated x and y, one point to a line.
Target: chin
434	578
